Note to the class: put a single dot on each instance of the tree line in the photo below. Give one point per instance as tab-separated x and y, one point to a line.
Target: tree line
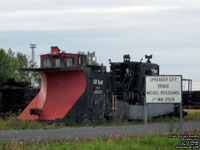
11	62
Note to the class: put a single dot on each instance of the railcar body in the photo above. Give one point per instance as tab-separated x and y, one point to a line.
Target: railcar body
15	96
74	91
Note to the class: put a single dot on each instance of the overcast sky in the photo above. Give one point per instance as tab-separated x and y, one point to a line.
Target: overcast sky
170	30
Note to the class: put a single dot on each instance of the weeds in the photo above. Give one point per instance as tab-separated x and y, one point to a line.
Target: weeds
11	122
171	127
3	145
124	143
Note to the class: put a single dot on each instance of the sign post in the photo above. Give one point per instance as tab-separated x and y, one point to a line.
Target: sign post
181	118
164	89
145	119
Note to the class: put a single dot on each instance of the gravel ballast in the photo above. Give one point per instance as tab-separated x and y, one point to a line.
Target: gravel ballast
79	133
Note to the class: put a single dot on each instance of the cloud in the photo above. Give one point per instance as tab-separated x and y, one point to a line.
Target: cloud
167	29
57	15
75	15
77	18
91	11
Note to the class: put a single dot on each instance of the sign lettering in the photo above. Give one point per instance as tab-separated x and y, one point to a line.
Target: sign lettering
163	89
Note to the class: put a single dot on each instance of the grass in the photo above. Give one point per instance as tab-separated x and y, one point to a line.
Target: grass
11	122
193	114
151	142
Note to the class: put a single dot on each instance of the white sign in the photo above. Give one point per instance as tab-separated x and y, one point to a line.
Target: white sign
163	89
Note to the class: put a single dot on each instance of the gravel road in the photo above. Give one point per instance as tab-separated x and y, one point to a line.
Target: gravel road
77	133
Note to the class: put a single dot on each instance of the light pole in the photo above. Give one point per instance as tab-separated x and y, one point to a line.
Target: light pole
33	46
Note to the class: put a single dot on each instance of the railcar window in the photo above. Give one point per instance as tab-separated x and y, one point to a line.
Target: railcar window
81	60
47	62
154	70
59	62
70	61
84	60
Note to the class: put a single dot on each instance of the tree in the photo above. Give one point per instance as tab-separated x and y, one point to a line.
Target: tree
10	65
22	62
94	62
35	76
7	64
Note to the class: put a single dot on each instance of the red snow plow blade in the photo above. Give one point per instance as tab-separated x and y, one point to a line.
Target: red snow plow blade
60	90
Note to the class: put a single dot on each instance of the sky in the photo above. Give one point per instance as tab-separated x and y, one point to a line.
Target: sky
169	30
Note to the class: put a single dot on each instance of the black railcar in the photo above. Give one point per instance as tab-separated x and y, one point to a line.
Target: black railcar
73	90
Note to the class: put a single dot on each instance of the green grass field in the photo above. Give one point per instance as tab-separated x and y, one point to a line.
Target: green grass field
124	143
11	122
